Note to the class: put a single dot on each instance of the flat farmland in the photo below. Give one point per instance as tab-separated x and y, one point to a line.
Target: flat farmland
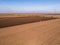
35	30
12	21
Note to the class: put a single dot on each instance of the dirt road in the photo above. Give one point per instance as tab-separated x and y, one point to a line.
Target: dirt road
39	33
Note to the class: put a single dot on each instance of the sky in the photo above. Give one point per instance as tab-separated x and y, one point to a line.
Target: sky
29	6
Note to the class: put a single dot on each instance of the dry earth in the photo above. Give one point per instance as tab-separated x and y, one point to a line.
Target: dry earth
39	33
13	21
24	15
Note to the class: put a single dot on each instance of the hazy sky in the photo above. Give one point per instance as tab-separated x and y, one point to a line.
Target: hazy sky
32	6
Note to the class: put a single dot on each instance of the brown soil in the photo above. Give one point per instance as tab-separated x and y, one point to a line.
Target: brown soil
13	21
39	33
